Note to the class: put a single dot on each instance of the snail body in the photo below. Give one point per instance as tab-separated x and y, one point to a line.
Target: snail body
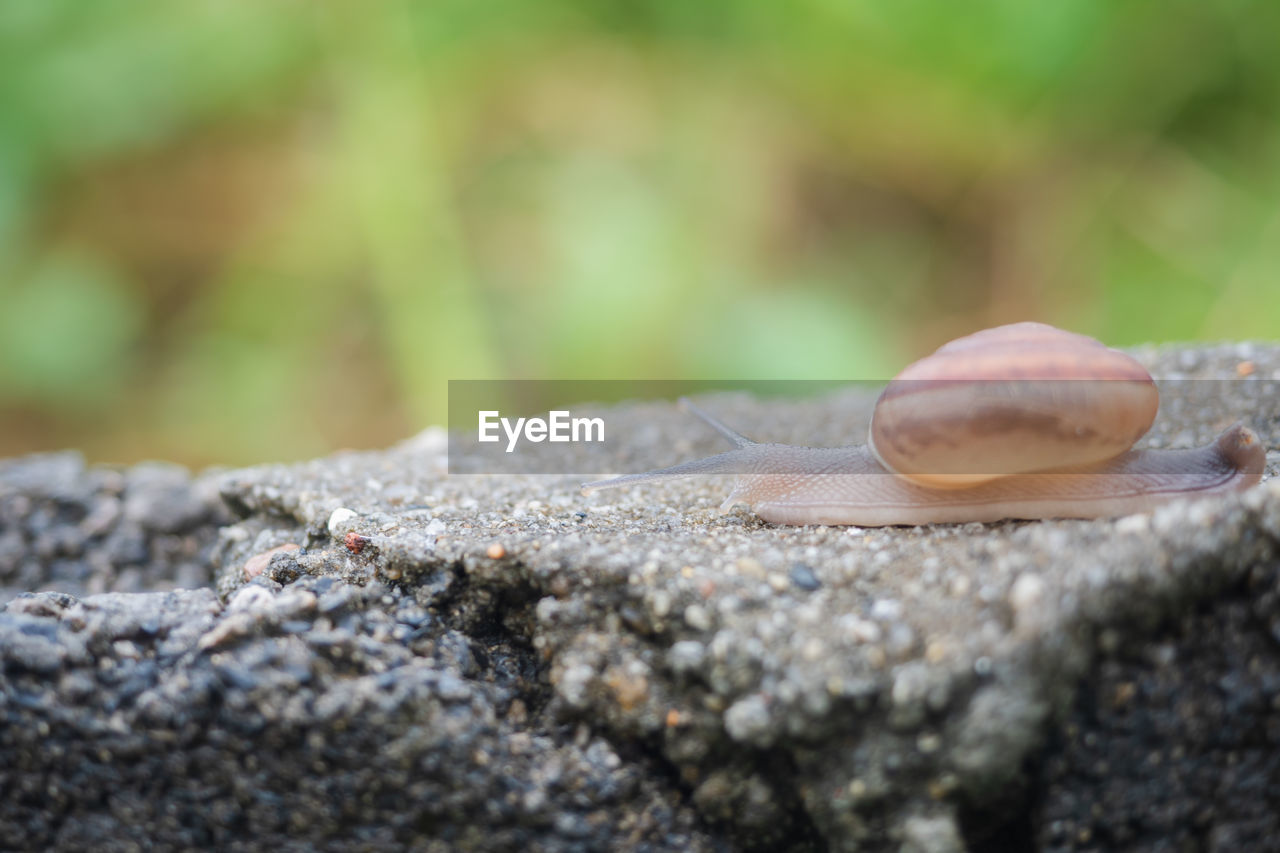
1022	421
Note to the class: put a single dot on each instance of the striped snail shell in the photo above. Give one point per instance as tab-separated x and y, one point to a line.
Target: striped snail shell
1011	400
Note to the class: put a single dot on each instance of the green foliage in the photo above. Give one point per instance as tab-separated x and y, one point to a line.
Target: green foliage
248	231
66	334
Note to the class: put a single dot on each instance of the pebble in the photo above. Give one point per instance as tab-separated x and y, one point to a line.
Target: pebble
803	576
338	518
696	617
686	656
251	598
860	630
258	563
747	721
886	610
1027	598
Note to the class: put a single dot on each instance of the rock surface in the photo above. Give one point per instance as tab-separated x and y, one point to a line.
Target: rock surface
83	531
499	663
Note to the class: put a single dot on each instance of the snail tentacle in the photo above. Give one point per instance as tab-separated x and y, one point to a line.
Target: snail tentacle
735	437
731	462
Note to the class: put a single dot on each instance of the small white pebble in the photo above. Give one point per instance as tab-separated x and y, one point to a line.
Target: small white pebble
813	650
1201	514
1027	598
860	630
573	684
748	720
339	517
686	655
251	598
886	609
909	685
928	743
696	617
1133	523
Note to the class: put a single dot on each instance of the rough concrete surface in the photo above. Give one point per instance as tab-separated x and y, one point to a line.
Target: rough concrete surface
394	658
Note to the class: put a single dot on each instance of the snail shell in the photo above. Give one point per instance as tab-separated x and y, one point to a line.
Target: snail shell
1010	400
1020	421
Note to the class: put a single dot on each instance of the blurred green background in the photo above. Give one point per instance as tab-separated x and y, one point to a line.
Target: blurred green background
233	232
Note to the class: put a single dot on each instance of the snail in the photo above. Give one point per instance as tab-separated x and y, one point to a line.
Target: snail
1021	421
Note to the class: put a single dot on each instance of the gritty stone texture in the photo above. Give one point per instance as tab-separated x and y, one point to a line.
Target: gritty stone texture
1173	741
84	531
500	663
319	715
